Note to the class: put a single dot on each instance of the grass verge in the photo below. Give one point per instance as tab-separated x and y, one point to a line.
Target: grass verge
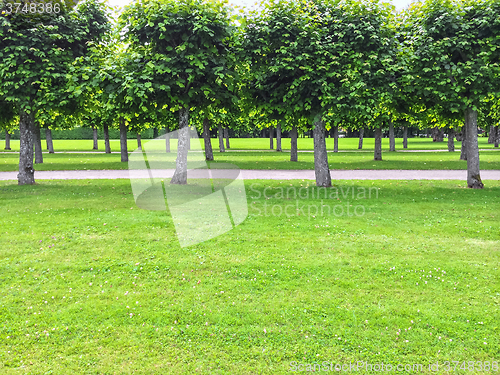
92	284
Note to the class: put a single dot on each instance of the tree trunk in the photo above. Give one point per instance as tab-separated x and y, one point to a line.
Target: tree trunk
451	140
221	139
107	147
293	144
7	140
180	174
139	141
392	140
209	155
96	145
155	132
491	136
378	144
26	174
167	141
278	138
497	136
405	136
361	134
48	140
335	139
321	169
463	149
226	135
473	177
434	134
38	146
123	140
271	139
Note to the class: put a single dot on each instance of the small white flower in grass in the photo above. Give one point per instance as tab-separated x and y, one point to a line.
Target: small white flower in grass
126	292
451	340
439	337
266	331
485	343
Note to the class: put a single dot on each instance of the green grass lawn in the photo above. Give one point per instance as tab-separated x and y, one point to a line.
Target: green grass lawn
93	285
263	144
271	160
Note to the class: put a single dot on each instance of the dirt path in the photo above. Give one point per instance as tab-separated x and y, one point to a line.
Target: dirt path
269	174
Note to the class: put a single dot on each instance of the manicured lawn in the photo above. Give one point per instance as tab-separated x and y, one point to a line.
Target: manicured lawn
263	144
92	284
271	160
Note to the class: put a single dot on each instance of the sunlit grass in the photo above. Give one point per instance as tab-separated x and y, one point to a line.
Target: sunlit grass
92	284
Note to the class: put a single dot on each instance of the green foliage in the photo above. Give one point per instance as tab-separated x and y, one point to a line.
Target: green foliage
184	51
455	52
305	58
35	53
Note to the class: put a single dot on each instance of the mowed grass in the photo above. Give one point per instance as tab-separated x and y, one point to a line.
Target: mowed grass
263	144
91	284
270	160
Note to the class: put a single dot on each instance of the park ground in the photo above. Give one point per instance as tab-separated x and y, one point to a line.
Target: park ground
407	272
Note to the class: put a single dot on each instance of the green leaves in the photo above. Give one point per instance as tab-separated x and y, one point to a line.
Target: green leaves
463	38
189	44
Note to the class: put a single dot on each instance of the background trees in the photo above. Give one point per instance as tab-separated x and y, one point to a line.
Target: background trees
187	50
455	54
35	53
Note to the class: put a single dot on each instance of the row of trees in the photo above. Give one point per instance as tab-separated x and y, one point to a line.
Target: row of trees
290	65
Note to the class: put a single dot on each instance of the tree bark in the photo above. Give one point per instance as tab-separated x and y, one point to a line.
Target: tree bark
278	138
293	144
392	140
48	140
271	139
378	144
473	176
361	134
26	174
221	139
180	174
7	140
123	140
451	140
167	141
96	145
209	155
491	136
38	145
226	135
335	139
497	136
155	132
321	169
463	149
107	147
139	141
405	136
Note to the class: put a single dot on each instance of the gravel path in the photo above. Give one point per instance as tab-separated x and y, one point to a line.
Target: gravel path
269	174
